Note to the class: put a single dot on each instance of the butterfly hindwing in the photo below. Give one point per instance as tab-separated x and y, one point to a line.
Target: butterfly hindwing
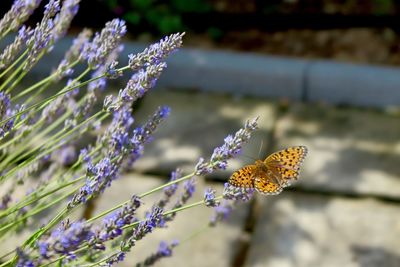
264	184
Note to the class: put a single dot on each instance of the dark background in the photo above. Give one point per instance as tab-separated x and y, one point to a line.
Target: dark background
360	31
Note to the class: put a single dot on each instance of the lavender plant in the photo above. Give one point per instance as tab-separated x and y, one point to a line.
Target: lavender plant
39	144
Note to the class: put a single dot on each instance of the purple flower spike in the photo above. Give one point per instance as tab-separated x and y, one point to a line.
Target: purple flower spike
169	191
113	224
73	54
141	135
119	257
12	50
189	187
221	212
209	198
64	18
98	178
17	15
164	250
103	43
237	193
24	260
137	87
152	220
6	112
64	240
157	52
42	36
231	147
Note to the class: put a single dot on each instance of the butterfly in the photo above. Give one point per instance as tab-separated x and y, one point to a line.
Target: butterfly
270	176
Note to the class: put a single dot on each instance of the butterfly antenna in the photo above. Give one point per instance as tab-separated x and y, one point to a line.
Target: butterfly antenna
259	151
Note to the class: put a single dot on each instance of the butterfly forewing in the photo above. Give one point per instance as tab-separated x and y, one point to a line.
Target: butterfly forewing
244	177
285	164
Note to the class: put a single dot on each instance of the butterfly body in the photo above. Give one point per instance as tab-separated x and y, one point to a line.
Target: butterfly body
274	173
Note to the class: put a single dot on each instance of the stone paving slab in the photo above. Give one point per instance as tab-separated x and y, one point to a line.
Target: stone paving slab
350	151
213	247
341	83
198	123
302	230
238	73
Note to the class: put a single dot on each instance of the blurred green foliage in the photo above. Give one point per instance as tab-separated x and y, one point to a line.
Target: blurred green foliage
163	17
382	7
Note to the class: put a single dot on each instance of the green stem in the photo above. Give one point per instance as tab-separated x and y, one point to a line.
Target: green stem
5	33
50	147
14	64
37	198
11	77
15	83
141	196
43	103
201	202
42	208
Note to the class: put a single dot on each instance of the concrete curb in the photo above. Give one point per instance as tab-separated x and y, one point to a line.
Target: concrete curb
267	76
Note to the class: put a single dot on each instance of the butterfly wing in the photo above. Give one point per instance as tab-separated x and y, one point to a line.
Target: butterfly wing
243	177
265	183
285	164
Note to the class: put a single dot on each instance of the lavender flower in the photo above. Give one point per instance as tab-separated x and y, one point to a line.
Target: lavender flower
107	69
116	258
221	212
103	43
156	53
141	135
170	190
116	137
119	145
6	112
63	19
66	155
231	147
24	260
12	50
232	195
237	193
112	225
152	220
98	178
17	15
42	36
189	187
82	111
209	198
65	239
164	250
73	54
60	104
136	87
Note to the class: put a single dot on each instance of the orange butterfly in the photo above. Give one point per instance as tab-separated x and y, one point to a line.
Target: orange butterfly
273	174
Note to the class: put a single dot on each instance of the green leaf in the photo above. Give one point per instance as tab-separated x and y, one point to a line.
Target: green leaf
132	17
142	4
188	6
169	24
